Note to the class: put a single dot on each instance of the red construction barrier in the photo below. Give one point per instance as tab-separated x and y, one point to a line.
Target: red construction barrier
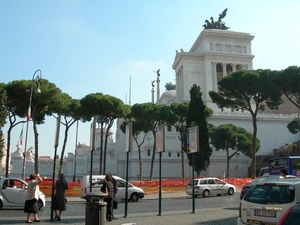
75	187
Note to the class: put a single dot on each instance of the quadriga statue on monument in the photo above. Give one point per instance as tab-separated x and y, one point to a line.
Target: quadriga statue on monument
212	24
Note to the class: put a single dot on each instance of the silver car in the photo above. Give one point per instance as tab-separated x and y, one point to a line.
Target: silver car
209	186
13	193
267	201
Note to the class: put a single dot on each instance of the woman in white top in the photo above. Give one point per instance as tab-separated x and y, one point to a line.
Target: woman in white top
32	196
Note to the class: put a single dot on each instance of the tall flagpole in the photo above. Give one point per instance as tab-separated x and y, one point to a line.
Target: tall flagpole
127	156
37	80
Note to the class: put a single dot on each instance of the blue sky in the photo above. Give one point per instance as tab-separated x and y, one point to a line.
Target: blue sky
86	46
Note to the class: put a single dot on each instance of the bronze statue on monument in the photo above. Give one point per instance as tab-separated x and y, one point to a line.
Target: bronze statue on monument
216	24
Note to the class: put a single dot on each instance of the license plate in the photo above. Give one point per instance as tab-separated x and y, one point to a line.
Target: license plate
264	213
260	222
253	221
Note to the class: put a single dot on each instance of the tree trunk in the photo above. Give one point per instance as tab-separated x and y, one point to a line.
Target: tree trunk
227	152
253	163
8	151
140	162
63	150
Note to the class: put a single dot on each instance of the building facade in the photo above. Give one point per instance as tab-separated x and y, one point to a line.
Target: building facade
215	54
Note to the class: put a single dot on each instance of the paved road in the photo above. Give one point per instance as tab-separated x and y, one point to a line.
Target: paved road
204	216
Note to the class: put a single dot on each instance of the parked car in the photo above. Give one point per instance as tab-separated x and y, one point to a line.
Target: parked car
291	216
267	201
245	188
209	186
264	171
134	193
13	193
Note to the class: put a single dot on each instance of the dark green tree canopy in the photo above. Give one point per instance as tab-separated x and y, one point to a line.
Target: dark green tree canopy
232	137
294	126
3	115
97	104
197	115
289	82
249	90
169	86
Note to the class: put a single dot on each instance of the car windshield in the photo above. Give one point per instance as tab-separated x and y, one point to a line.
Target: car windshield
270	194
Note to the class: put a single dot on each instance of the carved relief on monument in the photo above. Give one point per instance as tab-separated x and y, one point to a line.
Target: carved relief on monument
237	49
219	47
228	48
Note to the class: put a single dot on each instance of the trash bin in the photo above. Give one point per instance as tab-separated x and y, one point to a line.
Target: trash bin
95	210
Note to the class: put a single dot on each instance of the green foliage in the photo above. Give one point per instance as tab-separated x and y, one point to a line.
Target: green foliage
107	108
249	90
3	115
43	103
103	105
141	116
196	114
289	82
294	126
3	108
169	86
224	137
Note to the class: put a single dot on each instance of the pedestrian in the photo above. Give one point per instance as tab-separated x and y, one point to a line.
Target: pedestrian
283	173
61	185
32	196
110	196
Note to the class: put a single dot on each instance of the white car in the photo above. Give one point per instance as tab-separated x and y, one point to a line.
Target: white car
209	186
266	201
134	193
13	193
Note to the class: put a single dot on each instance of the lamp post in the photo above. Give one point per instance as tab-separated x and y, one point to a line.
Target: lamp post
35	79
237	153
74	176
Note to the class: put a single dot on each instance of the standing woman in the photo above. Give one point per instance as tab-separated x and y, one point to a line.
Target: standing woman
32	196
110	196
61	186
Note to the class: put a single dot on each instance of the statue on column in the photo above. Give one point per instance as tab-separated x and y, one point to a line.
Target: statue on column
157	72
152	82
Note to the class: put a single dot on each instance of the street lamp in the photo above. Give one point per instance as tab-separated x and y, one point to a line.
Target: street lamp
237	153
74	176
35	79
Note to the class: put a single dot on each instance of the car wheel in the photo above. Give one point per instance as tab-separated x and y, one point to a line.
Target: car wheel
40	204
134	197
205	193
1	204
230	191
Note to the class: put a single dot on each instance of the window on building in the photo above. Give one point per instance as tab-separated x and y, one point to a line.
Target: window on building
148	152
239	67
177	129
169	128
219	71
228	69
178	154
169	154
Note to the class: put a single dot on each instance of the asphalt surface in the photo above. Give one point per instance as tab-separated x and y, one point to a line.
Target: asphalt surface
208	216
